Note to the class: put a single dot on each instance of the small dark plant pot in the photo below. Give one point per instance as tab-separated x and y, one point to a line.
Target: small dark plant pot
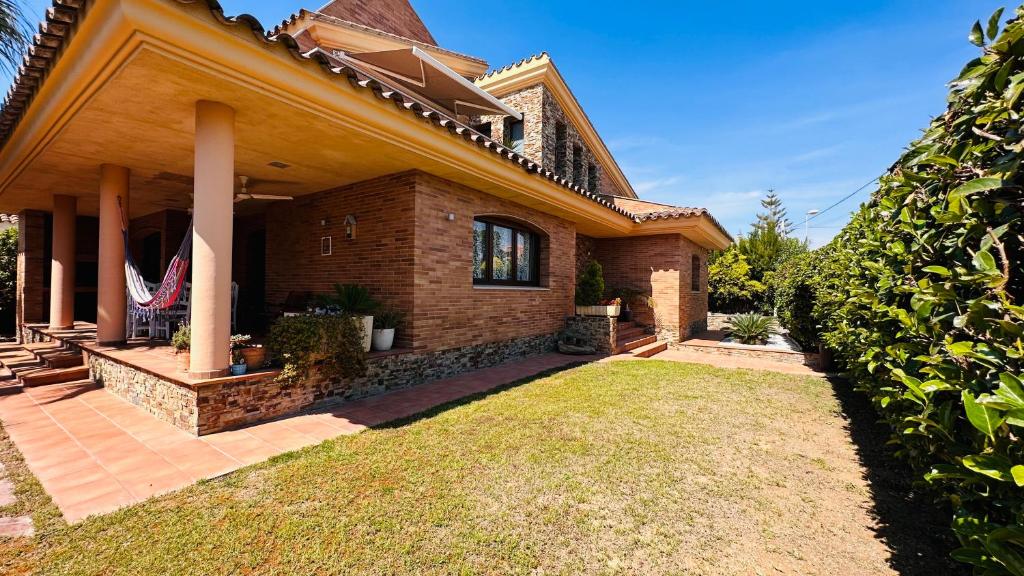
626	315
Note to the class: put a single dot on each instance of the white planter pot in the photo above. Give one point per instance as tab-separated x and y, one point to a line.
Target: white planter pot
610	311
383	339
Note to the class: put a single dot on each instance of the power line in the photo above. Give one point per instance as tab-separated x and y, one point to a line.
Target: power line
837	203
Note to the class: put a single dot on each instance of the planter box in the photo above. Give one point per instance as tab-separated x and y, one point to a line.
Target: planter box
610	311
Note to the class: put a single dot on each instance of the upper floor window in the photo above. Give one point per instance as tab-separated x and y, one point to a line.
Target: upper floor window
695	273
514	135
592	178
577	165
484	128
561	137
505	254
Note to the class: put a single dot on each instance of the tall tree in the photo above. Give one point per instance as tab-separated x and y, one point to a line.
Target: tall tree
769	244
14	34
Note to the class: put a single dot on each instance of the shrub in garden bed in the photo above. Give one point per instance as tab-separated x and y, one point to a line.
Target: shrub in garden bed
331	343
922	299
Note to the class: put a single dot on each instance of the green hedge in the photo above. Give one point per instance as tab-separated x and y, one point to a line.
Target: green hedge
921	295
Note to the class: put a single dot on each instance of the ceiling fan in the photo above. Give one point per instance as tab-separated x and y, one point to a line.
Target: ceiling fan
244	194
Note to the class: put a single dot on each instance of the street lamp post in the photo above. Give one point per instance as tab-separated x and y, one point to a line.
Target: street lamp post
807	218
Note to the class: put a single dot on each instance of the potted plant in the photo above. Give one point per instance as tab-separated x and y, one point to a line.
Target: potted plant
385	323
238	365
352	299
589	291
254	354
182	343
627	296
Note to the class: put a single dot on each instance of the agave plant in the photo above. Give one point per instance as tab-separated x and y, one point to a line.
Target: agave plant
751	328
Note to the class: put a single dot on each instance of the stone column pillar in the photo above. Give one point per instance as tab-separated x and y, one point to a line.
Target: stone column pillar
211	239
111	299
62	263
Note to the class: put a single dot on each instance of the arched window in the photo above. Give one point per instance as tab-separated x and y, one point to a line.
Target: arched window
505	253
695	273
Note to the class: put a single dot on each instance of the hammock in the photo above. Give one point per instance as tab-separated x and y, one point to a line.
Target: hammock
143	302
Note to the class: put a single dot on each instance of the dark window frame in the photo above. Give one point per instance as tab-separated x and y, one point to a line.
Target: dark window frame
561	143
488	279
695	266
508	134
577	165
592	184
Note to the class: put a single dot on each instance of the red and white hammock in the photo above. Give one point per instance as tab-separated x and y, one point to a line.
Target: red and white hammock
143	302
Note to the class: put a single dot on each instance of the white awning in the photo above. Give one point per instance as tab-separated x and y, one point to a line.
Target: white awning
424	75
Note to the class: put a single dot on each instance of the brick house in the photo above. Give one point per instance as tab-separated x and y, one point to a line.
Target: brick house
410	167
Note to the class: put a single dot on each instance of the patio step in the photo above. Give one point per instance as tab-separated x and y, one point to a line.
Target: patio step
650	349
631	332
47	376
63	360
623	346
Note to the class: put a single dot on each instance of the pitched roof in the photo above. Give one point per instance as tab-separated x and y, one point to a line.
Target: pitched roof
64	15
646	211
392	16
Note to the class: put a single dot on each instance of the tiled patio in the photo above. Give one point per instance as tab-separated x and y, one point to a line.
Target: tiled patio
94	453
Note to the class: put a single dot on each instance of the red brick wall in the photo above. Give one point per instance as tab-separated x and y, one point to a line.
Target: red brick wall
659	266
380	256
394	16
449	311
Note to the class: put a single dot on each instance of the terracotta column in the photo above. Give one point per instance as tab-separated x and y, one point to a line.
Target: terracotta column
211	239
62	263
111	299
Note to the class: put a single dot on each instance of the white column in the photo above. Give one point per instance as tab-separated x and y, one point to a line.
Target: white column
62	263
211	239
111	300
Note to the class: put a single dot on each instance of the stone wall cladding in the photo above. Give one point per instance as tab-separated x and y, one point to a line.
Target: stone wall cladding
166	400
600	332
809	359
215	407
541	114
718	321
449	311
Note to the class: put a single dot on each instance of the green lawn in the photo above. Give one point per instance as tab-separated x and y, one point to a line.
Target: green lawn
618	468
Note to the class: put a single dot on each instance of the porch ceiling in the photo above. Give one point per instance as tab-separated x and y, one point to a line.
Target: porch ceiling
144	119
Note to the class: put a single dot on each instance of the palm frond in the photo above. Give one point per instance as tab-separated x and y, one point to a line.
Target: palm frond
14	35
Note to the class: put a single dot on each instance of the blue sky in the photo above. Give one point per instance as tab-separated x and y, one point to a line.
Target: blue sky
712	103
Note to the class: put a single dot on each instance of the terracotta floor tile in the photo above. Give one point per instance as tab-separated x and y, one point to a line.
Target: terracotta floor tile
7	493
16	527
315	427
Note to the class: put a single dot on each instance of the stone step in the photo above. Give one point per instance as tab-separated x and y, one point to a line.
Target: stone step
10	386
63	360
631	332
650	349
47	376
626	325
626	345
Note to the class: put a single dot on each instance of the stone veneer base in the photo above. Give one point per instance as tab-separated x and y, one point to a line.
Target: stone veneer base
808	359
214	407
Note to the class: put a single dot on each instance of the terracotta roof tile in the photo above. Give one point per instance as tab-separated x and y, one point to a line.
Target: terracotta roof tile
646	211
9	218
514	65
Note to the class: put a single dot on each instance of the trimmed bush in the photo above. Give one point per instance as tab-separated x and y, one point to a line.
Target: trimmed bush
921	299
590	286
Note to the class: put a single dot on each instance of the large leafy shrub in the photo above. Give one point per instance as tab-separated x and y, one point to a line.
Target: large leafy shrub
331	344
921	299
795	287
8	279
731	288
